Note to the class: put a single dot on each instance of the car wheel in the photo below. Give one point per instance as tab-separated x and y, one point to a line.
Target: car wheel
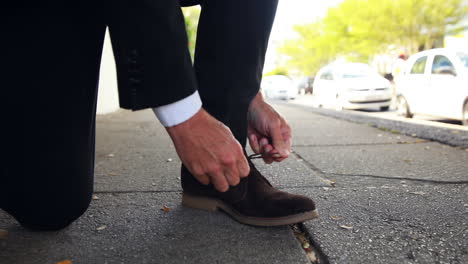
403	107
465	114
384	108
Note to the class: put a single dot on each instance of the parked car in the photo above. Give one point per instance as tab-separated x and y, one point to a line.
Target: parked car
278	87
435	82
351	86
305	85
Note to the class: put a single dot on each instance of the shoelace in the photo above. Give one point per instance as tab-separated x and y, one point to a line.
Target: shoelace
255	156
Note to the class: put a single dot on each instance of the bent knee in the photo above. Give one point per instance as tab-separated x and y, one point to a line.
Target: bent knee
52	216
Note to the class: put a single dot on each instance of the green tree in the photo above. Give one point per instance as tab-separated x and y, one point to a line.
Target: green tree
278	71
191	15
358	29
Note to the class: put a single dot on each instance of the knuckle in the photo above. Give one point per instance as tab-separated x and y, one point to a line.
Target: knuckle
197	171
239	149
244	172
235	182
214	169
204	180
222	187
228	160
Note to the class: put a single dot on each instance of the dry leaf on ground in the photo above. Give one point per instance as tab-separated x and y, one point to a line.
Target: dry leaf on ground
101	227
332	183
165	209
65	262
418	193
312	257
347	227
336	217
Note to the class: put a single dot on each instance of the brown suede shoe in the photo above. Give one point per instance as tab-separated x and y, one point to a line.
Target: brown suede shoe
254	201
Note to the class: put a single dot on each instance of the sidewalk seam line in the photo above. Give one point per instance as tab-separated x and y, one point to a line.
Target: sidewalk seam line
364	144
396	178
133	191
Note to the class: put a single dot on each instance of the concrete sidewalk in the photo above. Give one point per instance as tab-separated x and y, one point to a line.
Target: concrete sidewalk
383	198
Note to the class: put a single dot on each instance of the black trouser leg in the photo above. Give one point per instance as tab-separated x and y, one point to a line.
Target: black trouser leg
231	45
47	174
232	39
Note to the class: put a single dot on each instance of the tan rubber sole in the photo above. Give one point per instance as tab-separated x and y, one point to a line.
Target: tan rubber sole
211	205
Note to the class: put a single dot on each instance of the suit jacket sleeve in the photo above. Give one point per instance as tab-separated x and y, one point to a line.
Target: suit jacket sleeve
150	48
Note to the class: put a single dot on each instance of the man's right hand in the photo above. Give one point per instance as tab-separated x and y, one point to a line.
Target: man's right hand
209	151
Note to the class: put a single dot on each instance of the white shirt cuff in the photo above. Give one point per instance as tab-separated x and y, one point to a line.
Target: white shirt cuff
180	111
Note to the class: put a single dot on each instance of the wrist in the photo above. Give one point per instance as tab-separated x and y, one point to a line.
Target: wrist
175	131
257	101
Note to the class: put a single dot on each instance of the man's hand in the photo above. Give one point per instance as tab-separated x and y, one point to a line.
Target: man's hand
269	134
209	151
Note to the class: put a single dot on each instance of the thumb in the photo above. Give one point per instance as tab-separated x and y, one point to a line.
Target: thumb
278	141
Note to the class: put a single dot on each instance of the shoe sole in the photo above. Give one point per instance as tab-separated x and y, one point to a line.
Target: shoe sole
212	205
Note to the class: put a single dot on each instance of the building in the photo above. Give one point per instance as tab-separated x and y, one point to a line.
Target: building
457	37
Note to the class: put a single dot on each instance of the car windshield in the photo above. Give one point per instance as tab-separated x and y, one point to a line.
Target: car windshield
358	72
464	58
278	80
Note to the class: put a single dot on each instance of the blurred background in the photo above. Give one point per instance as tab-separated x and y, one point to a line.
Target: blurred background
383	57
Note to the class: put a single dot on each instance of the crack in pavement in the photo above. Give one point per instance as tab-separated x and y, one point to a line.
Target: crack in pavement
311	248
138	191
326	175
307	163
364	144
396	178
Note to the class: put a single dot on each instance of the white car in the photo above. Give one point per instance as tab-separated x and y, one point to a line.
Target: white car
435	82
351	86
278	87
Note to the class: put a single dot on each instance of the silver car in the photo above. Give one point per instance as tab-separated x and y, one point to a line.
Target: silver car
278	87
351	86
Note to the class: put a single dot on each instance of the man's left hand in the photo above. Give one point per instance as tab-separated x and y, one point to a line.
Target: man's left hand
268	132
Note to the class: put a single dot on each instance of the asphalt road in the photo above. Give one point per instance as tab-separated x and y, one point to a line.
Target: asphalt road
446	131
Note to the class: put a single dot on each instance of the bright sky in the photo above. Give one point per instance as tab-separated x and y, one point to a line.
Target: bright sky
289	13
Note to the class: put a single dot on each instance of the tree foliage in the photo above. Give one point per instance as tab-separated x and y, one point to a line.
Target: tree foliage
277	71
191	15
359	29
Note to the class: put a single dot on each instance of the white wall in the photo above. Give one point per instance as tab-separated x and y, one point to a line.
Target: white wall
108	100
